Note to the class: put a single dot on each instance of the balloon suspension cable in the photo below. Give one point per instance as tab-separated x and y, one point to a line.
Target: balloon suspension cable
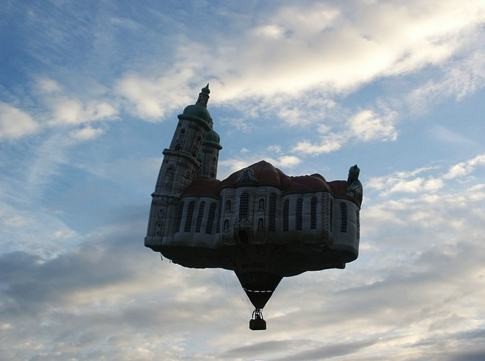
257	314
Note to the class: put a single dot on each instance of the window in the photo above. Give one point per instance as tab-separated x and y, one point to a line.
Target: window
343	217
227	206
218	223
313	213
286	214
178	220
200	215
260	225
244	206
299	214
331	215
272	212
190	215
357	223
261	205
226	225
210	218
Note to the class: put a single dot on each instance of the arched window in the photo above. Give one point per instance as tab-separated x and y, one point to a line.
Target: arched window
190	215
313	213
200	215
343	217
227	206
357	223
244	206
226	225
261	205
210	218
260	225
169	176
299	214
178	220
218	222
331	215
272	212
286	214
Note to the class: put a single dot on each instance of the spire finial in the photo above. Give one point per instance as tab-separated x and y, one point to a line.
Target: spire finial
204	96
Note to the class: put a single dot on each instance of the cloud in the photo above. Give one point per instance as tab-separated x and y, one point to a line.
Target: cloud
153	97
96	301
15	123
327	144
72	111
406	182
410	182
459	78
86	133
299	48
367	125
464	168
47	85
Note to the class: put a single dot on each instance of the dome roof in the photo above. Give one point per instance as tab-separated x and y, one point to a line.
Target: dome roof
260	174
212	137
197	112
265	174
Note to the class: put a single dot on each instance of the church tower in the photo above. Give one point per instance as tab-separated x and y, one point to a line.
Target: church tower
210	155
181	165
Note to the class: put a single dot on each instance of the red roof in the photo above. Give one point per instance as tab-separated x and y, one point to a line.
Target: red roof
203	187
265	174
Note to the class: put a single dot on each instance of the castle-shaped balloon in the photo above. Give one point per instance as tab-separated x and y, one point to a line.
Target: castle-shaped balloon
258	222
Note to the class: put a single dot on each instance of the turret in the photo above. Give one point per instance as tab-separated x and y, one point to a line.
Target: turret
181	165
210	155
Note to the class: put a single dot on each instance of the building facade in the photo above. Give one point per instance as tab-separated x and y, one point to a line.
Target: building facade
198	221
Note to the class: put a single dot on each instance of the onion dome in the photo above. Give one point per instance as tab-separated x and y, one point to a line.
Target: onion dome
213	139
198	111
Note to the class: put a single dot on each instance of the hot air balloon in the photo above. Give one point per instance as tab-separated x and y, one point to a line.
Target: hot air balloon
258	222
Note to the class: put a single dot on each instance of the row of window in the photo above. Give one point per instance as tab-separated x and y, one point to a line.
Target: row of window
244	210
200	215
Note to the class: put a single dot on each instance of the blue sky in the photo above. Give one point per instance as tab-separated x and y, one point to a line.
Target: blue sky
89	94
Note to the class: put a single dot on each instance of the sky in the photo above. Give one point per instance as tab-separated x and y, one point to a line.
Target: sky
89	97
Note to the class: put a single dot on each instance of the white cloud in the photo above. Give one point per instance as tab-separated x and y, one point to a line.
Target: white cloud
153	97
464	168
415	182
48	86
307	47
72	111
324	47
15	123
327	144
288	161
406	182
367	125
459	78
86	133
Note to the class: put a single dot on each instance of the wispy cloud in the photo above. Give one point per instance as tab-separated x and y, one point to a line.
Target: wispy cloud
15	123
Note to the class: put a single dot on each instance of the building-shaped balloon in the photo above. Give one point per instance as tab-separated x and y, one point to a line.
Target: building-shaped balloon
258	222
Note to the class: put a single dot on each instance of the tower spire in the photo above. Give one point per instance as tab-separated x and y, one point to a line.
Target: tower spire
203	96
